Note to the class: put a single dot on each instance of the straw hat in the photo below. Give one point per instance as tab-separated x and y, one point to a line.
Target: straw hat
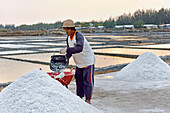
68	23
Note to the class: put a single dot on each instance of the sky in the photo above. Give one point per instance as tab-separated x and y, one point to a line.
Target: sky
49	11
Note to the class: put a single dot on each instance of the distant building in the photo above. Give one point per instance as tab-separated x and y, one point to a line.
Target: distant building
119	27
100	27
124	27
91	25
150	26
129	26
165	26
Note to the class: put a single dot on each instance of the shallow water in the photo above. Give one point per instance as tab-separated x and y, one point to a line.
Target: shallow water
155	46
100	60
10	70
48	44
14	52
132	51
17	46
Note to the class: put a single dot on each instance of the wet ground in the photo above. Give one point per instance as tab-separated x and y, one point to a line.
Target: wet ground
22	54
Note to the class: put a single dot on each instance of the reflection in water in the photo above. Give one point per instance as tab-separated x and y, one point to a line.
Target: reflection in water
14	52
109	36
44	57
104	77
100	60
141	44
17	46
12	70
155	46
46	44
103	61
120	39
133	51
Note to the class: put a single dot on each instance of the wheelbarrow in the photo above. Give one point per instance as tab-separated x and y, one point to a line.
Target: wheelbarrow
65	80
58	64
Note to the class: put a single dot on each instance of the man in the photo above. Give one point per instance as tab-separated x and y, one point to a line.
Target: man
78	47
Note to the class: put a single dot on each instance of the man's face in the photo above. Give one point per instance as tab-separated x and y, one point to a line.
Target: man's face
68	31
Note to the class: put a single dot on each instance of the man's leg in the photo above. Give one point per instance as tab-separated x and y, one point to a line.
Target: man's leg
79	82
88	79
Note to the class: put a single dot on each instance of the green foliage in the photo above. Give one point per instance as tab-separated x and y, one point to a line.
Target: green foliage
96	23
77	23
147	16
85	24
124	19
1	26
9	26
110	23
41	26
138	24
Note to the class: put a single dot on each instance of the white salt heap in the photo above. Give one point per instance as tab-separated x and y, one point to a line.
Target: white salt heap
37	92
147	67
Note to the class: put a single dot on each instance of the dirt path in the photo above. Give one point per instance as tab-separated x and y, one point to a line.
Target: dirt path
130	100
134	101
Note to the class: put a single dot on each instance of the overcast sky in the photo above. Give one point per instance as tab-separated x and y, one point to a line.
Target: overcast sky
49	11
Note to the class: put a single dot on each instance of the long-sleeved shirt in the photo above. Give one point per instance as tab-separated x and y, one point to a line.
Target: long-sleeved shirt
79	48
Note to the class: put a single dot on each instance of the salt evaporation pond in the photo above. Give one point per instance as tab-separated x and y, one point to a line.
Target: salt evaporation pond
132	51
17	46
15	52
37	92
147	67
154	46
101	60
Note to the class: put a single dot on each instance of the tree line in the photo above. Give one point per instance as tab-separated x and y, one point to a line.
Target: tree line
138	18
149	16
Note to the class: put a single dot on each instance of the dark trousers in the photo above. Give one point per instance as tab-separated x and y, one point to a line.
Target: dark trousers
85	81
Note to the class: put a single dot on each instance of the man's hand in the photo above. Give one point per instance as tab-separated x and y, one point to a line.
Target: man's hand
63	51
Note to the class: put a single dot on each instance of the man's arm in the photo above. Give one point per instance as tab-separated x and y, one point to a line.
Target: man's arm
78	47
68	54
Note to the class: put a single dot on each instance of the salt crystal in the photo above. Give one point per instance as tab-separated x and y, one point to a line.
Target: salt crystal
37	92
147	67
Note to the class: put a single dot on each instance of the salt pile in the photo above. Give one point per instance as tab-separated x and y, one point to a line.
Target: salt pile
37	92
147	67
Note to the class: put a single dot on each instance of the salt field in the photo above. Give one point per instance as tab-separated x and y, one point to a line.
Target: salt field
141	85
133	51
155	46
34	92
19	53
